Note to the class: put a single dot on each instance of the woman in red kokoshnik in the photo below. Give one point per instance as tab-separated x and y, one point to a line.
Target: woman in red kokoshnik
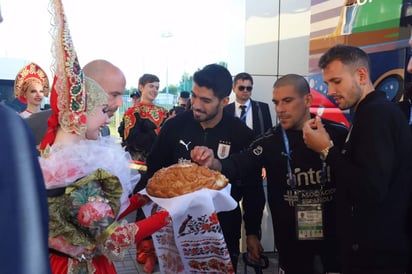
87	177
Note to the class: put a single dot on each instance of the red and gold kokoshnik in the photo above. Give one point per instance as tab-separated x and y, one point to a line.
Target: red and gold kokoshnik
30	71
68	94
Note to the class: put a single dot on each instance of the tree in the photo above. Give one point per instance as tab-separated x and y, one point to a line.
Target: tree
186	83
172	90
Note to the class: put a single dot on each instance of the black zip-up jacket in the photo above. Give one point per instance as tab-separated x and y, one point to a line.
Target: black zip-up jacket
269	151
182	133
374	179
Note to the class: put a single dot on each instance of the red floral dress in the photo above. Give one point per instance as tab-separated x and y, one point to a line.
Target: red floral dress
88	185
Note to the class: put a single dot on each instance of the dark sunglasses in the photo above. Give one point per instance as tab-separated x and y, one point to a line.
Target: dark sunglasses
242	88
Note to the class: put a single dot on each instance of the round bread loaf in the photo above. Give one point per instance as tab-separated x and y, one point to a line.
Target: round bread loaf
183	178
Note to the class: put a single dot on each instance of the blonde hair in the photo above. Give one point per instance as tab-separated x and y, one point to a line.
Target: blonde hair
27	83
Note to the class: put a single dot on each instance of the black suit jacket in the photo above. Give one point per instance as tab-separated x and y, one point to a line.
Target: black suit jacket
259	127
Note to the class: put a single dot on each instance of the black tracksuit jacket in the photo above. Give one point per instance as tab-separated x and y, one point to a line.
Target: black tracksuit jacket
295	256
169	148
374	182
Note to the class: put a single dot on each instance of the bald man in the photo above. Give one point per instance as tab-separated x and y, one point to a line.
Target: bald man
108	76
111	79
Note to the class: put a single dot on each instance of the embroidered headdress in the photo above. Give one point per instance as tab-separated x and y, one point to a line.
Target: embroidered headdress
73	95
30	72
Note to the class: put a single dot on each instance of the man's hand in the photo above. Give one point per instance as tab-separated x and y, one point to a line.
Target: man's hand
204	156
263	173
254	248
315	136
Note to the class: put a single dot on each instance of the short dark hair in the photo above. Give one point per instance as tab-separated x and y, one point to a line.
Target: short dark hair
215	77
148	78
298	82
348	55
243	76
185	94
135	94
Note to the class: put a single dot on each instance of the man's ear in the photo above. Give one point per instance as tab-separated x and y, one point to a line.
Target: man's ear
363	75
308	99
225	101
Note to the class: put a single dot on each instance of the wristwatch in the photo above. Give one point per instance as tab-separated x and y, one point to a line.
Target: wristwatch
324	152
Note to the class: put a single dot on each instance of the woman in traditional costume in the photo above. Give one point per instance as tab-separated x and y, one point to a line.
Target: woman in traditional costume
30	87
87	176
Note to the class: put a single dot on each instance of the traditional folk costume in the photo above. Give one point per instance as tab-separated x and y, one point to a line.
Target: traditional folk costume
141	124
28	74
139	128
88	181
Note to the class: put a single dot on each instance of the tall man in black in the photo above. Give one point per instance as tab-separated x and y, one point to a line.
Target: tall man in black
373	169
208	125
254	114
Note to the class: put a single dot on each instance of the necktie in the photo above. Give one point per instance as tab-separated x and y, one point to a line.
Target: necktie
243	113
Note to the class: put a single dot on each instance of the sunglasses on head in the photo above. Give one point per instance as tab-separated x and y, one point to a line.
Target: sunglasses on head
242	88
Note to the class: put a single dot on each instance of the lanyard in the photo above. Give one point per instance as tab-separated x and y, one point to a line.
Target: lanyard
323	177
289	159
410	113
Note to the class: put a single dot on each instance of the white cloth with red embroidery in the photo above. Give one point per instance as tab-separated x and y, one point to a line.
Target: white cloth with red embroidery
193	241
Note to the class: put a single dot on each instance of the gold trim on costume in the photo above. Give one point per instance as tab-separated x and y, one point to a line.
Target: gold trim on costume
28	72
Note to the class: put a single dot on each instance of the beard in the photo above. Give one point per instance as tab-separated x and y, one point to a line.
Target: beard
202	116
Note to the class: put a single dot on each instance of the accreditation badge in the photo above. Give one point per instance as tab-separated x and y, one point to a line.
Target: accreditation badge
309	221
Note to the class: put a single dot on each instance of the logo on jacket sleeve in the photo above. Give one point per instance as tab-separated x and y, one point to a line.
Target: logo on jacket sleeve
257	150
223	150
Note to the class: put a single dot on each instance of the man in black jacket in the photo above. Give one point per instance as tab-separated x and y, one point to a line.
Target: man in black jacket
207	124
373	169
256	114
301	187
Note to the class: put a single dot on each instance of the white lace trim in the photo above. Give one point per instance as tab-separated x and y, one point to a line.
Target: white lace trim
66	164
